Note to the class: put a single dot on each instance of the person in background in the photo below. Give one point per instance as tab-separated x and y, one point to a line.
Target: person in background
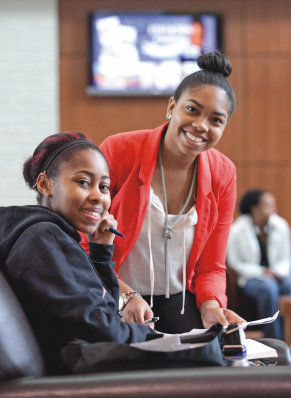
65	293
174	198
259	250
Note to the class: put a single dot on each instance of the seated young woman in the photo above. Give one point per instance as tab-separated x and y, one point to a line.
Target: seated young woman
65	292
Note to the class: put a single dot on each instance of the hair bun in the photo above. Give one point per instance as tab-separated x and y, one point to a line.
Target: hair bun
215	62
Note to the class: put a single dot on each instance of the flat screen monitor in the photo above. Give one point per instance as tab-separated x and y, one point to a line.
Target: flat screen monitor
148	53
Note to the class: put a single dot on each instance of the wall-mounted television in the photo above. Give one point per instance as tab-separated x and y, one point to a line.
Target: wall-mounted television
148	53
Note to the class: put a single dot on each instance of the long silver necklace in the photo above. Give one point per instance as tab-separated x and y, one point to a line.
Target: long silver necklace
167	232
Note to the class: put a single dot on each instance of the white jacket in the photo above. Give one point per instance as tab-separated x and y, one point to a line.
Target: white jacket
243	253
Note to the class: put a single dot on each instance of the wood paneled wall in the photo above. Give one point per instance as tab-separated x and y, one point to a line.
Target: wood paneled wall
257	36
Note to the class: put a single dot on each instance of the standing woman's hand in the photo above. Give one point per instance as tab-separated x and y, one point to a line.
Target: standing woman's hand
102	235
211	313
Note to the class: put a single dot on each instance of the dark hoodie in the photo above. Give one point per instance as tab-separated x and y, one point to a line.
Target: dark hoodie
65	293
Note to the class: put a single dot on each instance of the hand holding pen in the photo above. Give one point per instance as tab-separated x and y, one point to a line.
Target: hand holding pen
106	231
115	231
152	320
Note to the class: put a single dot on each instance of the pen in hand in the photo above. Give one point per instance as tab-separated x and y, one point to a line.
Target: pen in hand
152	320
115	231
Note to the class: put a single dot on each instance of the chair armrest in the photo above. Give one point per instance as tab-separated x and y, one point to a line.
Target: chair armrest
284	355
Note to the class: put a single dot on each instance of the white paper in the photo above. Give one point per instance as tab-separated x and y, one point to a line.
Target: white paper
257	350
270	319
172	342
168	343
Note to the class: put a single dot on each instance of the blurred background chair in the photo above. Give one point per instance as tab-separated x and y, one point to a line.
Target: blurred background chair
242	304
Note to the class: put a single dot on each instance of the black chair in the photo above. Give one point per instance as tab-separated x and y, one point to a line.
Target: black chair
20	354
22	371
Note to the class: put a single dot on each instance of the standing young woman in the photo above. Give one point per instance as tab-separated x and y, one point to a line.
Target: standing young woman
174	197
65	293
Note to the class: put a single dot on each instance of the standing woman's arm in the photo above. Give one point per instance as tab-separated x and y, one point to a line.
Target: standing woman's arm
209	277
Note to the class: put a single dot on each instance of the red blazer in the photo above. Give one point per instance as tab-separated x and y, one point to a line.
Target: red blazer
132	159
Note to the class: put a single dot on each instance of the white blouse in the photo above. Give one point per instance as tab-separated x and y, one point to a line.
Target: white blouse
144	267
243	252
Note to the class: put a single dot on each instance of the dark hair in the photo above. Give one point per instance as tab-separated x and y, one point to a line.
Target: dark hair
46	155
249	199
215	68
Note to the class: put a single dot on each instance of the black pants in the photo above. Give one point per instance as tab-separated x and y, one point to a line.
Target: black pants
168	310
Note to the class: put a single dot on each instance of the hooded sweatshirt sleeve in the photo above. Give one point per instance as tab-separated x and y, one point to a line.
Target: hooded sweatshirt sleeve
62	291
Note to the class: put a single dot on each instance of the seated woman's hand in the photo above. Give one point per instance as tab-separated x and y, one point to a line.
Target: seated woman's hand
211	313
137	310
102	235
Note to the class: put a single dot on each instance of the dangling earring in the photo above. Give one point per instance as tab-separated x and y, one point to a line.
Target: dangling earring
168	116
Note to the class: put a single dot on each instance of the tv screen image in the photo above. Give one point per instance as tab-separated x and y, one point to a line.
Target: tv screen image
148	53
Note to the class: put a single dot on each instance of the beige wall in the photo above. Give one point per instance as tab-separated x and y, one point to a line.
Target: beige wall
29	89
256	39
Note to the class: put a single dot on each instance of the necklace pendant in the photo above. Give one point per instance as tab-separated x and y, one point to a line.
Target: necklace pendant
167	233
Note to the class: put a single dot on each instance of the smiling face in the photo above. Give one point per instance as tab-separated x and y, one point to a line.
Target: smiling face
80	192
198	119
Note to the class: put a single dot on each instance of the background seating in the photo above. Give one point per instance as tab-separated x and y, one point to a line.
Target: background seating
242	304
285	311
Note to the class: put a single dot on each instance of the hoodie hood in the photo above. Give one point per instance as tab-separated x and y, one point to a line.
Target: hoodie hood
16	219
